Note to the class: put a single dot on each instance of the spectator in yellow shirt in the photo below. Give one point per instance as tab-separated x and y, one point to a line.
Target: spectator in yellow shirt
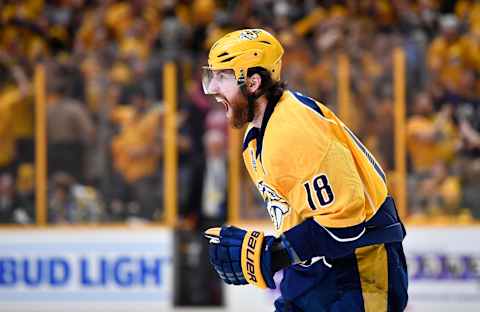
431	139
136	155
448	53
430	136
7	133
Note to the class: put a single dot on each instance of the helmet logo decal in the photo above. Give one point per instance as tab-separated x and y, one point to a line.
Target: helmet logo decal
249	34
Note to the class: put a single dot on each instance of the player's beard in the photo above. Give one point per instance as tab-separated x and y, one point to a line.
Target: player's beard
239	116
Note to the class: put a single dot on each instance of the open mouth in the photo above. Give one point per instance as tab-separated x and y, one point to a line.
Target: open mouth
222	100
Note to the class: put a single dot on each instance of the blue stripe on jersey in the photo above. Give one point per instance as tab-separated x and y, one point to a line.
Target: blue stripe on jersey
369	156
308	102
266	117
251	135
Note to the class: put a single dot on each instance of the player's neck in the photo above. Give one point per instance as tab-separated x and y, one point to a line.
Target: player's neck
261	105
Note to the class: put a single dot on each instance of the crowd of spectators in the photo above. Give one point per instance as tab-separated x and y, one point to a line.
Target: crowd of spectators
104	62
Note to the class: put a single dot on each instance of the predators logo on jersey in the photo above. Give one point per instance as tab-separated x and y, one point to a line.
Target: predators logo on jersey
294	160
277	207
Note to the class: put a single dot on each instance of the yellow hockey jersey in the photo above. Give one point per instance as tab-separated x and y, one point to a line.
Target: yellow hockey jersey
307	163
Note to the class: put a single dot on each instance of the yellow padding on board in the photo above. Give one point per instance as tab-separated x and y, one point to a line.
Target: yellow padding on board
251	257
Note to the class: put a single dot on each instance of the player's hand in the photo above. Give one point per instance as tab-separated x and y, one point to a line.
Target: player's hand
241	257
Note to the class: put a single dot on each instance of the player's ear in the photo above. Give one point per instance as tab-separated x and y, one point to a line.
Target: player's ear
253	83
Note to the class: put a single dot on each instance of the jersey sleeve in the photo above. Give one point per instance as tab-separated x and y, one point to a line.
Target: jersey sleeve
324	186
333	193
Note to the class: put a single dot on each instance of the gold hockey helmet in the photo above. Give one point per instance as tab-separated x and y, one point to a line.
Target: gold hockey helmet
241	50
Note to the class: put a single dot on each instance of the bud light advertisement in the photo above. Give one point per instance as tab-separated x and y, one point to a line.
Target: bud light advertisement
117	266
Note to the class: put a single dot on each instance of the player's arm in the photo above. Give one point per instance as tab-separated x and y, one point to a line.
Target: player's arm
242	257
329	198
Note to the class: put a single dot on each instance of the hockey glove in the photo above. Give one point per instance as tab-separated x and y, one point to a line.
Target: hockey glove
242	257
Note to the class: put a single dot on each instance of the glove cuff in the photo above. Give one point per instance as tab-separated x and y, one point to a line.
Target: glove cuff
252	246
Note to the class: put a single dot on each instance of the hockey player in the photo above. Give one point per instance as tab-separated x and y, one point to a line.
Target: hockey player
338	235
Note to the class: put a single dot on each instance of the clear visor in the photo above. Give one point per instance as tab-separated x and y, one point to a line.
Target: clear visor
212	80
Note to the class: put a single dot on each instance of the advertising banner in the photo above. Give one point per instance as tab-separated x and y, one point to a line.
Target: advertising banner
444	268
57	268
132	270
